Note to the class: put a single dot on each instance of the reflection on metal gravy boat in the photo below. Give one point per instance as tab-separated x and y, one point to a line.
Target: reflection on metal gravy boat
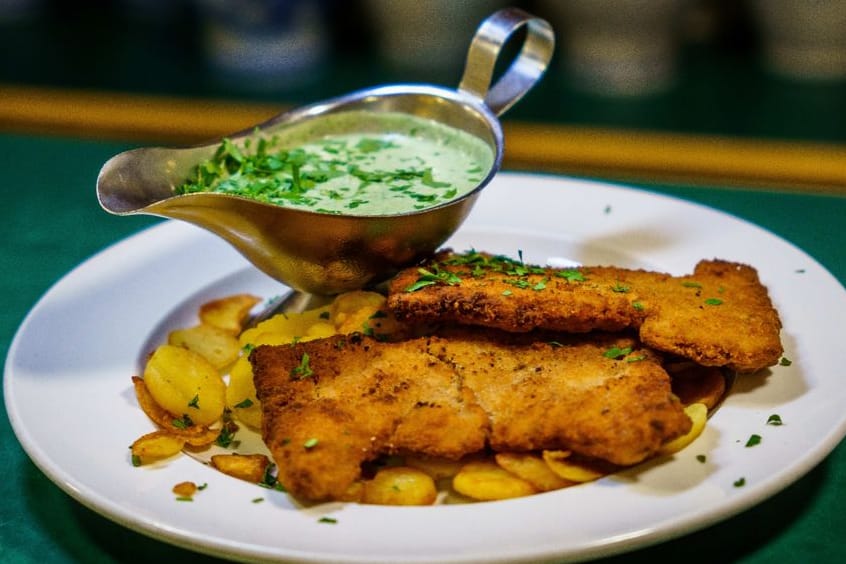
327	253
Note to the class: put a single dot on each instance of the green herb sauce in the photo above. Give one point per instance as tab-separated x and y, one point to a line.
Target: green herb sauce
353	163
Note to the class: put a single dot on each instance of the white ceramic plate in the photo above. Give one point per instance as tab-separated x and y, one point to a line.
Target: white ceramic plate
69	397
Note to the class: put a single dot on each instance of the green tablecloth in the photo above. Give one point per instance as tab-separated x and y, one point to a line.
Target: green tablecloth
51	221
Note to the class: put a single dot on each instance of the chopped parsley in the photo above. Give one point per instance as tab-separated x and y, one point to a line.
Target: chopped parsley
775	420
328	520
617	352
714	301
245	403
434	275
571	275
701	458
739	483
310	443
620	288
195	402
638	306
753	440
784	361
303	369
183	422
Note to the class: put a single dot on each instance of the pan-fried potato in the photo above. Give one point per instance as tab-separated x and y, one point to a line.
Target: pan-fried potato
241	394
532	468
354	493
437	468
218	346
572	471
156	446
194	434
185	490
362	312
487	481
247	467
284	328
698	413
699	384
400	485
228	313
185	384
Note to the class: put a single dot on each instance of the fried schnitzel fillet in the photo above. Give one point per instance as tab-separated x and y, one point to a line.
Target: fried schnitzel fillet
721	315
332	404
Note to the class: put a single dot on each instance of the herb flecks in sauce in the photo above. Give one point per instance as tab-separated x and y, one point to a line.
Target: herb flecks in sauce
355	163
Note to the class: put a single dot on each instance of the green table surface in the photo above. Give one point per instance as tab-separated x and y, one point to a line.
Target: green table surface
51	221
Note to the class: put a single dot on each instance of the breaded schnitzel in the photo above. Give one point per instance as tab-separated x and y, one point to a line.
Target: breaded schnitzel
721	315
332	404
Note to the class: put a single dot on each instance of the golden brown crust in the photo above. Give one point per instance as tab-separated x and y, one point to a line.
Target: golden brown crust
454	395
721	315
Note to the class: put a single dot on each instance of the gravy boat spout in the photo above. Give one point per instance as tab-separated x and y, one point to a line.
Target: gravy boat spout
327	253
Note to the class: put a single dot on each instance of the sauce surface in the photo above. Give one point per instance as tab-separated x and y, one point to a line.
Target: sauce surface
352	163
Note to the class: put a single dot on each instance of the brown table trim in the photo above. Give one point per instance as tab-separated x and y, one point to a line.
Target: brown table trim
609	153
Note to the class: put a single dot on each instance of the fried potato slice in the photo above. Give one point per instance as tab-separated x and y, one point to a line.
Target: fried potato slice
436	467
228	313
285	328
532	468
161	417
155	446
184	383
362	312
354	493
698	413
573	471
219	346
185	490
400	485
247	467
698	384
241	394
487	481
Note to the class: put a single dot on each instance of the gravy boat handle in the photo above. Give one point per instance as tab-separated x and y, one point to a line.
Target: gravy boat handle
525	70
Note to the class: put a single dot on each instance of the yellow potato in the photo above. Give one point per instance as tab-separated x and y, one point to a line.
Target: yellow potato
437	468
194	434
185	384
156	446
185	490
228	313
362	312
572	471
218	346
292	325
241	394
699	384
400	485
354	493
486	481
533	469
698	413
247	467
319	330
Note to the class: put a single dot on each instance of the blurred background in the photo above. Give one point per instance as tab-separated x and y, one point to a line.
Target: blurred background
745	79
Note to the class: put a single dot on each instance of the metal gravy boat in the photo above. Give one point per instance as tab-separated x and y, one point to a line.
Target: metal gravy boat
324	254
